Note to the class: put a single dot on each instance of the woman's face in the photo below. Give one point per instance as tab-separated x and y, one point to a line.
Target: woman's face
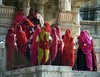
21	12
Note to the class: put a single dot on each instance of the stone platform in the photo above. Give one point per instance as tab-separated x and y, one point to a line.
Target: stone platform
48	71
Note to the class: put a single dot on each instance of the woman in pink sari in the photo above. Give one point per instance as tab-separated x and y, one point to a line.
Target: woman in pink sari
86	48
34	47
94	59
10	48
21	43
53	47
43	47
60	45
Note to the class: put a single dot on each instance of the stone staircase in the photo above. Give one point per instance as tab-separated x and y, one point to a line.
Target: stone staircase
48	71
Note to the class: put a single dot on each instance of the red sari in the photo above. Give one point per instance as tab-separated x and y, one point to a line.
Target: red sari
68	51
19	19
48	27
10	47
21	42
60	45
34	47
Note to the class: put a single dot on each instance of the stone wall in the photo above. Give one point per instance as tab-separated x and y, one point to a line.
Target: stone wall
2	56
49	71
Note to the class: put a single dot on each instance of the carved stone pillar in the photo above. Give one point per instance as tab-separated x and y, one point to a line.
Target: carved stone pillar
40	6
26	6
0	2
65	5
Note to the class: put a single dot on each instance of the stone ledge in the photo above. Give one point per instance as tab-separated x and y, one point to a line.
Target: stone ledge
49	71
85	74
40	71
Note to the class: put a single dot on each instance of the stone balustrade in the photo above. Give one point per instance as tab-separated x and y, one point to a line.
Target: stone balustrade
6	19
7	11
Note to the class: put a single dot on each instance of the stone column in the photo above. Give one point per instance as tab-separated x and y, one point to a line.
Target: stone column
0	2
76	9
40	6
26	6
65	5
77	21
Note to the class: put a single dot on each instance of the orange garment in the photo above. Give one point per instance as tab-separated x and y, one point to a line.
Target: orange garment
68	51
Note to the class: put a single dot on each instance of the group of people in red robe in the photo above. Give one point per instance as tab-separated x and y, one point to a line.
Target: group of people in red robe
36	43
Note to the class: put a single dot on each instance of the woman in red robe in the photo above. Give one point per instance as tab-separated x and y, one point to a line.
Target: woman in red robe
68	51
20	19
10	48
21	42
53	46
34	47
48	27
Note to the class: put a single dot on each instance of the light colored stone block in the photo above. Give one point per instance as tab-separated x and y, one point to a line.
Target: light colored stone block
41	71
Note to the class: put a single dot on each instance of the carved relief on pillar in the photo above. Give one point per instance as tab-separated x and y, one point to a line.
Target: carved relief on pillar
67	19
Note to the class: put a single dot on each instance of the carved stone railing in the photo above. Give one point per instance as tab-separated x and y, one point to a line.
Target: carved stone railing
6	19
7	11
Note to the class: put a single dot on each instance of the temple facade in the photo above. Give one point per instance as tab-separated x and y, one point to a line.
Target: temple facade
73	14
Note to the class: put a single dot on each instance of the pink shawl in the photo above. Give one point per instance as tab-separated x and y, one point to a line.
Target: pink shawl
86	47
54	45
34	47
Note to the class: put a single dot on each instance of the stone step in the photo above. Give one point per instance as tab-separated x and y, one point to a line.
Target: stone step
49	71
85	74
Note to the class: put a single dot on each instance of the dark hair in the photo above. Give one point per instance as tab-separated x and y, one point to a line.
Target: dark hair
20	9
36	11
31	9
